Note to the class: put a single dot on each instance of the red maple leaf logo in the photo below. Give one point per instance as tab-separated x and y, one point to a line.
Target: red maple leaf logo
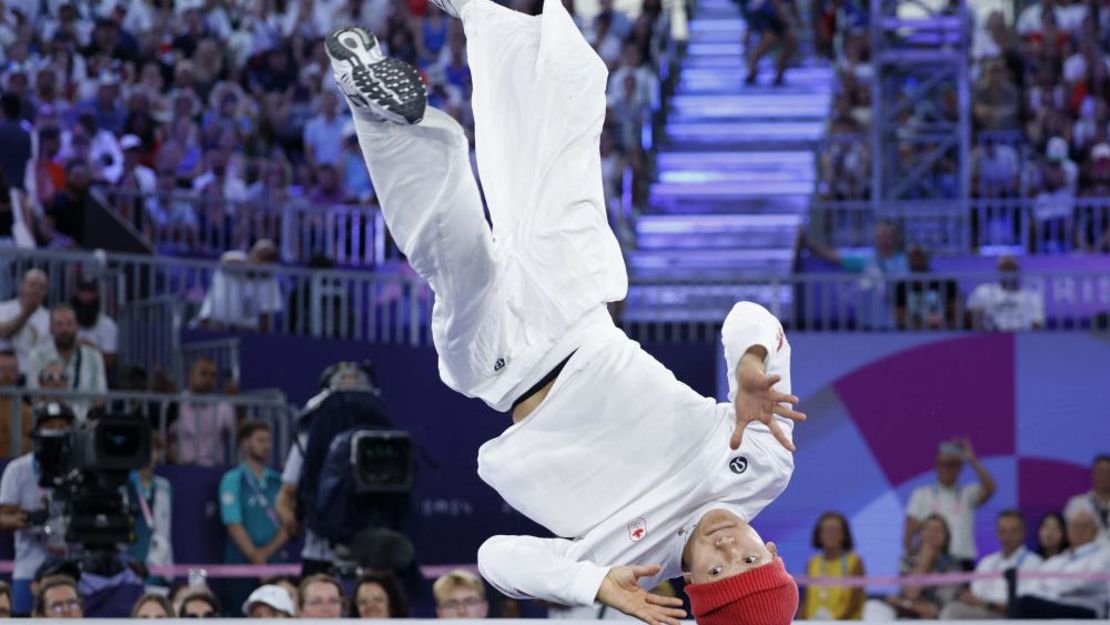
638	533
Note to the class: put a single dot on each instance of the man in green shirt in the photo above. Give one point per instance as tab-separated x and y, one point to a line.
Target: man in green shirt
247	497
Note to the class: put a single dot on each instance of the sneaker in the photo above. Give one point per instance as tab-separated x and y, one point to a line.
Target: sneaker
375	86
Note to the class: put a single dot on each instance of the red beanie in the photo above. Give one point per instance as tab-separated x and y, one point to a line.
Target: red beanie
765	595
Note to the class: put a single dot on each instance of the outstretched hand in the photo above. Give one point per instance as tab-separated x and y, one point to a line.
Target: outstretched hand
757	400
621	591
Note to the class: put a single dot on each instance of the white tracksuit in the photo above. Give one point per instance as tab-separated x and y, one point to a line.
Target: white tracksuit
621	458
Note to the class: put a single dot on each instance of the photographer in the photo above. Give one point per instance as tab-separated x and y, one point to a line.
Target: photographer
20	498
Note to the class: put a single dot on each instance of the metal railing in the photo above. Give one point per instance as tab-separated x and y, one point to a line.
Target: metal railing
189	224
1043	225
162	409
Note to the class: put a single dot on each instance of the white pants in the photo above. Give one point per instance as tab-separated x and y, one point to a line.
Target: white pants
511	303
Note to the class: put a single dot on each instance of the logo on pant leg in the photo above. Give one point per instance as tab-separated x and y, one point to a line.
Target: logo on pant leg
499	365
738	465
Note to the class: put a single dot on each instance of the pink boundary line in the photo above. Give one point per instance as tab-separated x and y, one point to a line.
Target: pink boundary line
434	571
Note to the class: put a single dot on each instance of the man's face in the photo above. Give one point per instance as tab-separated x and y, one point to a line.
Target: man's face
257	446
322	600
1011	533
9	370
463	602
1100	477
202	378
723	546
1082	529
33	289
62	602
948	468
63	327
261	610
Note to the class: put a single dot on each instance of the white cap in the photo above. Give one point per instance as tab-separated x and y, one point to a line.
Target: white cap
274	596
127	142
1057	149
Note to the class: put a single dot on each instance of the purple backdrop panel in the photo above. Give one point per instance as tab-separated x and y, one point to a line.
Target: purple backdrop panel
907	403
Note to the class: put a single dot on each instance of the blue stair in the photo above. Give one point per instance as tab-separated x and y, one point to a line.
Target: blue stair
734	174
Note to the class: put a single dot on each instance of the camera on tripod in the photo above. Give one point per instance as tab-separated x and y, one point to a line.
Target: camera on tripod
85	466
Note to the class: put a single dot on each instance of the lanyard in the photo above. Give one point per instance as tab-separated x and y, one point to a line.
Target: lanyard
143	505
253	483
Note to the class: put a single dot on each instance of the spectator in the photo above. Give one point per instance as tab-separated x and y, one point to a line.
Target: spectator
921	303
1055	198
1005	305
203	429
46	176
460	594
248	494
95	328
24	322
21	495
12	407
929	555
997	100
1068	598
63	225
290	584
84	366
58	599
954	503
887	261
5	600
988	599
242	297
150	499
323	134
1096	500
1052	539
268	601
379	595
997	167
137	182
199	604
768	18
327	189
320	596
152	605
833	537
356	179
15	139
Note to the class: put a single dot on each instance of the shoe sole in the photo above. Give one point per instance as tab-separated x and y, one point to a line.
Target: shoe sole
391	88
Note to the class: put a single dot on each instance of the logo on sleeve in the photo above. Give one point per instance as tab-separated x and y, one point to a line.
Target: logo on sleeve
637	530
738	465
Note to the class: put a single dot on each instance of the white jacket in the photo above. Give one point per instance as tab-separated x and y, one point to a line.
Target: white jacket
621	459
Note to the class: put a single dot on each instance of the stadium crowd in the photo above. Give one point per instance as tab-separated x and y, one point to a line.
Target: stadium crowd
202	116
1039	110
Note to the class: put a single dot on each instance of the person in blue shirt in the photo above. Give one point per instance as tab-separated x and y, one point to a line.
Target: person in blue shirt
150	498
248	493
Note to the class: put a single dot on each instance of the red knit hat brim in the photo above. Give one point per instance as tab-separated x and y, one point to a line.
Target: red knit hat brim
766	595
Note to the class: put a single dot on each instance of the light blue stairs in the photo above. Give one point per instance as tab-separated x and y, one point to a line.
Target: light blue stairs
734	175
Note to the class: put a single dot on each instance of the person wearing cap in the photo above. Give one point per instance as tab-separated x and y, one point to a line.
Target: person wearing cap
955	502
21	495
1006	305
268	601
137	183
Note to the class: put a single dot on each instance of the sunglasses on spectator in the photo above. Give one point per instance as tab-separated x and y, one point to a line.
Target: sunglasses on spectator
458	604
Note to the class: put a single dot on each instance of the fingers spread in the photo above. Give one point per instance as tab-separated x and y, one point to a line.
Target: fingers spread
660	600
781	436
771	380
789	413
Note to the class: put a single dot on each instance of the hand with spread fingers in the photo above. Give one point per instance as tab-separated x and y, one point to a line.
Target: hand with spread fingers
621	590
757	399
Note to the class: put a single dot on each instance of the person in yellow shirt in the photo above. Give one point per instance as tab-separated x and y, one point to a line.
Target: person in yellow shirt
833	537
